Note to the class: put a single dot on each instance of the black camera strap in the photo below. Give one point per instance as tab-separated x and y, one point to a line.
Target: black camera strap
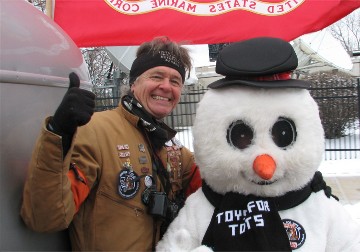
159	170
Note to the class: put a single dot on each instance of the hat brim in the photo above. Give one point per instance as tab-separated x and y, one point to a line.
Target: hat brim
292	83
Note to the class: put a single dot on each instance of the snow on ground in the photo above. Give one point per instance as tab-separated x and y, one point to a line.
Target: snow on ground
342	168
339	168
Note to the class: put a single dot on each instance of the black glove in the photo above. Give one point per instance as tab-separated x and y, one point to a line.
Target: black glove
75	109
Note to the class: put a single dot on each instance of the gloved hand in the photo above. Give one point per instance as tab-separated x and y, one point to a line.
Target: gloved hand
75	109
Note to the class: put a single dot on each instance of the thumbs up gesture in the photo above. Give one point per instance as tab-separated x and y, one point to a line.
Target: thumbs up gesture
75	109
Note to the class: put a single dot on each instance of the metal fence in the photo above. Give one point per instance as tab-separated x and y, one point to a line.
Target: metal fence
346	144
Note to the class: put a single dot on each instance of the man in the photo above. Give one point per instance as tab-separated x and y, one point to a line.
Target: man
114	178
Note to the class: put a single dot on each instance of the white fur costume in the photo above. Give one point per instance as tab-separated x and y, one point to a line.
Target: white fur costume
225	168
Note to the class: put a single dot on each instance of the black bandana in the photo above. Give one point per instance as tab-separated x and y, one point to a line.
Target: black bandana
150	60
157	131
251	223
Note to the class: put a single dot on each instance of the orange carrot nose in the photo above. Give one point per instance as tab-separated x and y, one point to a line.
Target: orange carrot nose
264	166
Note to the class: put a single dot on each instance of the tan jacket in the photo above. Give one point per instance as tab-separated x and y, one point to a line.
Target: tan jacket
106	220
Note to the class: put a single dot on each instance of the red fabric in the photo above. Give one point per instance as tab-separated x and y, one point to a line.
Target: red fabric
101	22
279	76
79	188
195	182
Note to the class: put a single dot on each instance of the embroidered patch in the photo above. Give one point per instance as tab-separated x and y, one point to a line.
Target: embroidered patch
129	183
123	147
296	233
124	154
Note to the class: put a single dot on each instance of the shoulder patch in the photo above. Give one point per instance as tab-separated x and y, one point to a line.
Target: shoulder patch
296	233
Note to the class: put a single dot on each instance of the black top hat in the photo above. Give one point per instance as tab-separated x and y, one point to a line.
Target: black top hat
259	62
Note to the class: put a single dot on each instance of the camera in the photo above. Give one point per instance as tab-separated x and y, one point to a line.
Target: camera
160	206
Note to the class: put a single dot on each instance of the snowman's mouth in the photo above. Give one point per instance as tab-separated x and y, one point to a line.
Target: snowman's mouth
264	182
260	182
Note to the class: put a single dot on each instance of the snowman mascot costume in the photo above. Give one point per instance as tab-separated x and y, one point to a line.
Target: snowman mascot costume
258	141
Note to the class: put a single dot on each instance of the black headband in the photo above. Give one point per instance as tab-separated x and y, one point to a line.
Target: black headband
150	60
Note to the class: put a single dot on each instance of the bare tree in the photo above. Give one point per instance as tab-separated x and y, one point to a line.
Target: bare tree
40	4
99	65
96	58
347	31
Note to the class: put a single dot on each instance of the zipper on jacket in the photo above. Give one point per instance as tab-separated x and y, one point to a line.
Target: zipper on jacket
137	210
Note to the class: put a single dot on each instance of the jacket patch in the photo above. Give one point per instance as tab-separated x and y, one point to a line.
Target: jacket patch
129	183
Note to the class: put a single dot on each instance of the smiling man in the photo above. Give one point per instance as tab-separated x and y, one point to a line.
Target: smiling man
115	178
159	90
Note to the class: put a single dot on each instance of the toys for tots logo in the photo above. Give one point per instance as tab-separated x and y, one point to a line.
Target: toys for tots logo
209	8
239	221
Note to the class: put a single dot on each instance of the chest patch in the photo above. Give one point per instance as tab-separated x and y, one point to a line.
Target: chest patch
129	183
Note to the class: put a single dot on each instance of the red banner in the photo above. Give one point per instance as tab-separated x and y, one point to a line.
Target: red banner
131	22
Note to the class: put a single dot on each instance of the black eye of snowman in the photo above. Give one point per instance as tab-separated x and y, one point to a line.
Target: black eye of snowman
239	134
283	132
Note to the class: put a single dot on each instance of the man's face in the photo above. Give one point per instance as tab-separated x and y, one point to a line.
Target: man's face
158	90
